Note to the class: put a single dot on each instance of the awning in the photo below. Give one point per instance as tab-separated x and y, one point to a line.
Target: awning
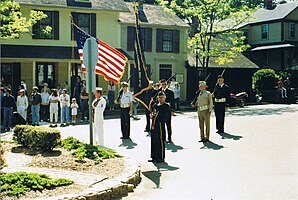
49	52
277	46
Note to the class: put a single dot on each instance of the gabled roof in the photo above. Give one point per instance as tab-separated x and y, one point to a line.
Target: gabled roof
109	5
280	12
155	15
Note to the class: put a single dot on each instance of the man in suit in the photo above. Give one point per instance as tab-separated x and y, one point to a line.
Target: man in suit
170	100
221	99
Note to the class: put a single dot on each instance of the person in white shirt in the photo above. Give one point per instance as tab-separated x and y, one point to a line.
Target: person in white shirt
74	110
99	105
44	107
125	100
64	104
22	104
54	99
24	84
177	95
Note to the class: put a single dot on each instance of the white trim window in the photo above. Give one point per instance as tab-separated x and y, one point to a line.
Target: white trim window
292	27
265	31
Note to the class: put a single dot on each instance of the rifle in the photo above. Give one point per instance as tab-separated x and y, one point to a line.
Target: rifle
223	71
171	77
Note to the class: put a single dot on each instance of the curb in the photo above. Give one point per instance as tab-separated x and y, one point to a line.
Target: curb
110	189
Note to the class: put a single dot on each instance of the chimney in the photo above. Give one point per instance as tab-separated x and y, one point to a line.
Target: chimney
268	4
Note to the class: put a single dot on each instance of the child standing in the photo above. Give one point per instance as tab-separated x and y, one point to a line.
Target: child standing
74	110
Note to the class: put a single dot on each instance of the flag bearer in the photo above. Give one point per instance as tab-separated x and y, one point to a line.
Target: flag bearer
204	104
161	112
99	105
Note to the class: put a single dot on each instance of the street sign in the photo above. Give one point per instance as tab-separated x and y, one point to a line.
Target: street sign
90	58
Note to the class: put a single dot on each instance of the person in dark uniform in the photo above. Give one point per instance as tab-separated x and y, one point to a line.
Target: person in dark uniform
151	93
221	99
161	112
125	100
170	100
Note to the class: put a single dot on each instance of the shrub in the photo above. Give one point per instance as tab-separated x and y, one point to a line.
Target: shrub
19	183
37	137
2	160
71	143
264	79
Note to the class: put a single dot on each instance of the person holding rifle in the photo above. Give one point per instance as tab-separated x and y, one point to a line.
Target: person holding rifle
204	103
125	100
221	99
151	92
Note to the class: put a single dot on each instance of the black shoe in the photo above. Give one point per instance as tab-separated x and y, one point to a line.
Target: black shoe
160	161
201	141
217	131
51	126
124	138
205	140
169	141
146	130
62	125
152	160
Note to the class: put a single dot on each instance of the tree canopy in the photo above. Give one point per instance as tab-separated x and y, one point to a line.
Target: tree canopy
13	23
213	28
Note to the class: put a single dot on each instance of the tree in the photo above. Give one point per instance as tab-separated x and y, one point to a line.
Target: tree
13	23
214	28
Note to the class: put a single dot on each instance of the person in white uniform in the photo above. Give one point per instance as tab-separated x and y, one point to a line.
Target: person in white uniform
98	105
22	104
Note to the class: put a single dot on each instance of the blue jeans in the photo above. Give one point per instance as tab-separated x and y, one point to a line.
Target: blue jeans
7	117
65	117
35	114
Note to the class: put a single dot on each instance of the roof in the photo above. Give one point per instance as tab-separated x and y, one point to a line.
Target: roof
277	46
280	12
110	5
155	14
240	62
50	52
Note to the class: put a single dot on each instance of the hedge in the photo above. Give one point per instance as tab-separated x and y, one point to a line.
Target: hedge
37	137
264	79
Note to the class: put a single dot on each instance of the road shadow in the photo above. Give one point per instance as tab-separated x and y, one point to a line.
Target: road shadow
153	176
251	111
211	145
230	136
128	144
173	147
164	166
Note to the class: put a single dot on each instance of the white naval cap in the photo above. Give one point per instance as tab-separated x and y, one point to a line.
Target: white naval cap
98	89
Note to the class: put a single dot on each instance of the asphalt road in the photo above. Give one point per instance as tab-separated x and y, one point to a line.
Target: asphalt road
256	159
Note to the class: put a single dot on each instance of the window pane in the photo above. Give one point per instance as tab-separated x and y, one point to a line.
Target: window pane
48	19
167	44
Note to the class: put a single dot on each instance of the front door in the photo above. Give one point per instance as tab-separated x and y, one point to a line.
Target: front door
165	71
46	73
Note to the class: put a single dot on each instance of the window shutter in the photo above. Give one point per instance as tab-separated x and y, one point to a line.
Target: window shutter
35	30
56	25
93	24
130	38
148	40
75	20
158	40
176	41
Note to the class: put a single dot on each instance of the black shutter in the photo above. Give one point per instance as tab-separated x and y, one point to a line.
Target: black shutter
56	25
93	24
75	20
130	38
176	41
35	32
148	40
158	40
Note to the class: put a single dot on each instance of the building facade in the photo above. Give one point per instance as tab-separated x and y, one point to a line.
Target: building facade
273	37
53	58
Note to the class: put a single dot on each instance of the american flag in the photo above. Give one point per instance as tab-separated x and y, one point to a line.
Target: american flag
111	62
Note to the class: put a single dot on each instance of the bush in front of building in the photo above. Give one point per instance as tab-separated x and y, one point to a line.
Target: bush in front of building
264	79
42	138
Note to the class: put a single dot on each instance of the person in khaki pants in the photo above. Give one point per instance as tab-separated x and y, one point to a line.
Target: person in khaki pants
204	104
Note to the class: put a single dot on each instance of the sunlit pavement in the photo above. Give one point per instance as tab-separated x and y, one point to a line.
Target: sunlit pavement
256	159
